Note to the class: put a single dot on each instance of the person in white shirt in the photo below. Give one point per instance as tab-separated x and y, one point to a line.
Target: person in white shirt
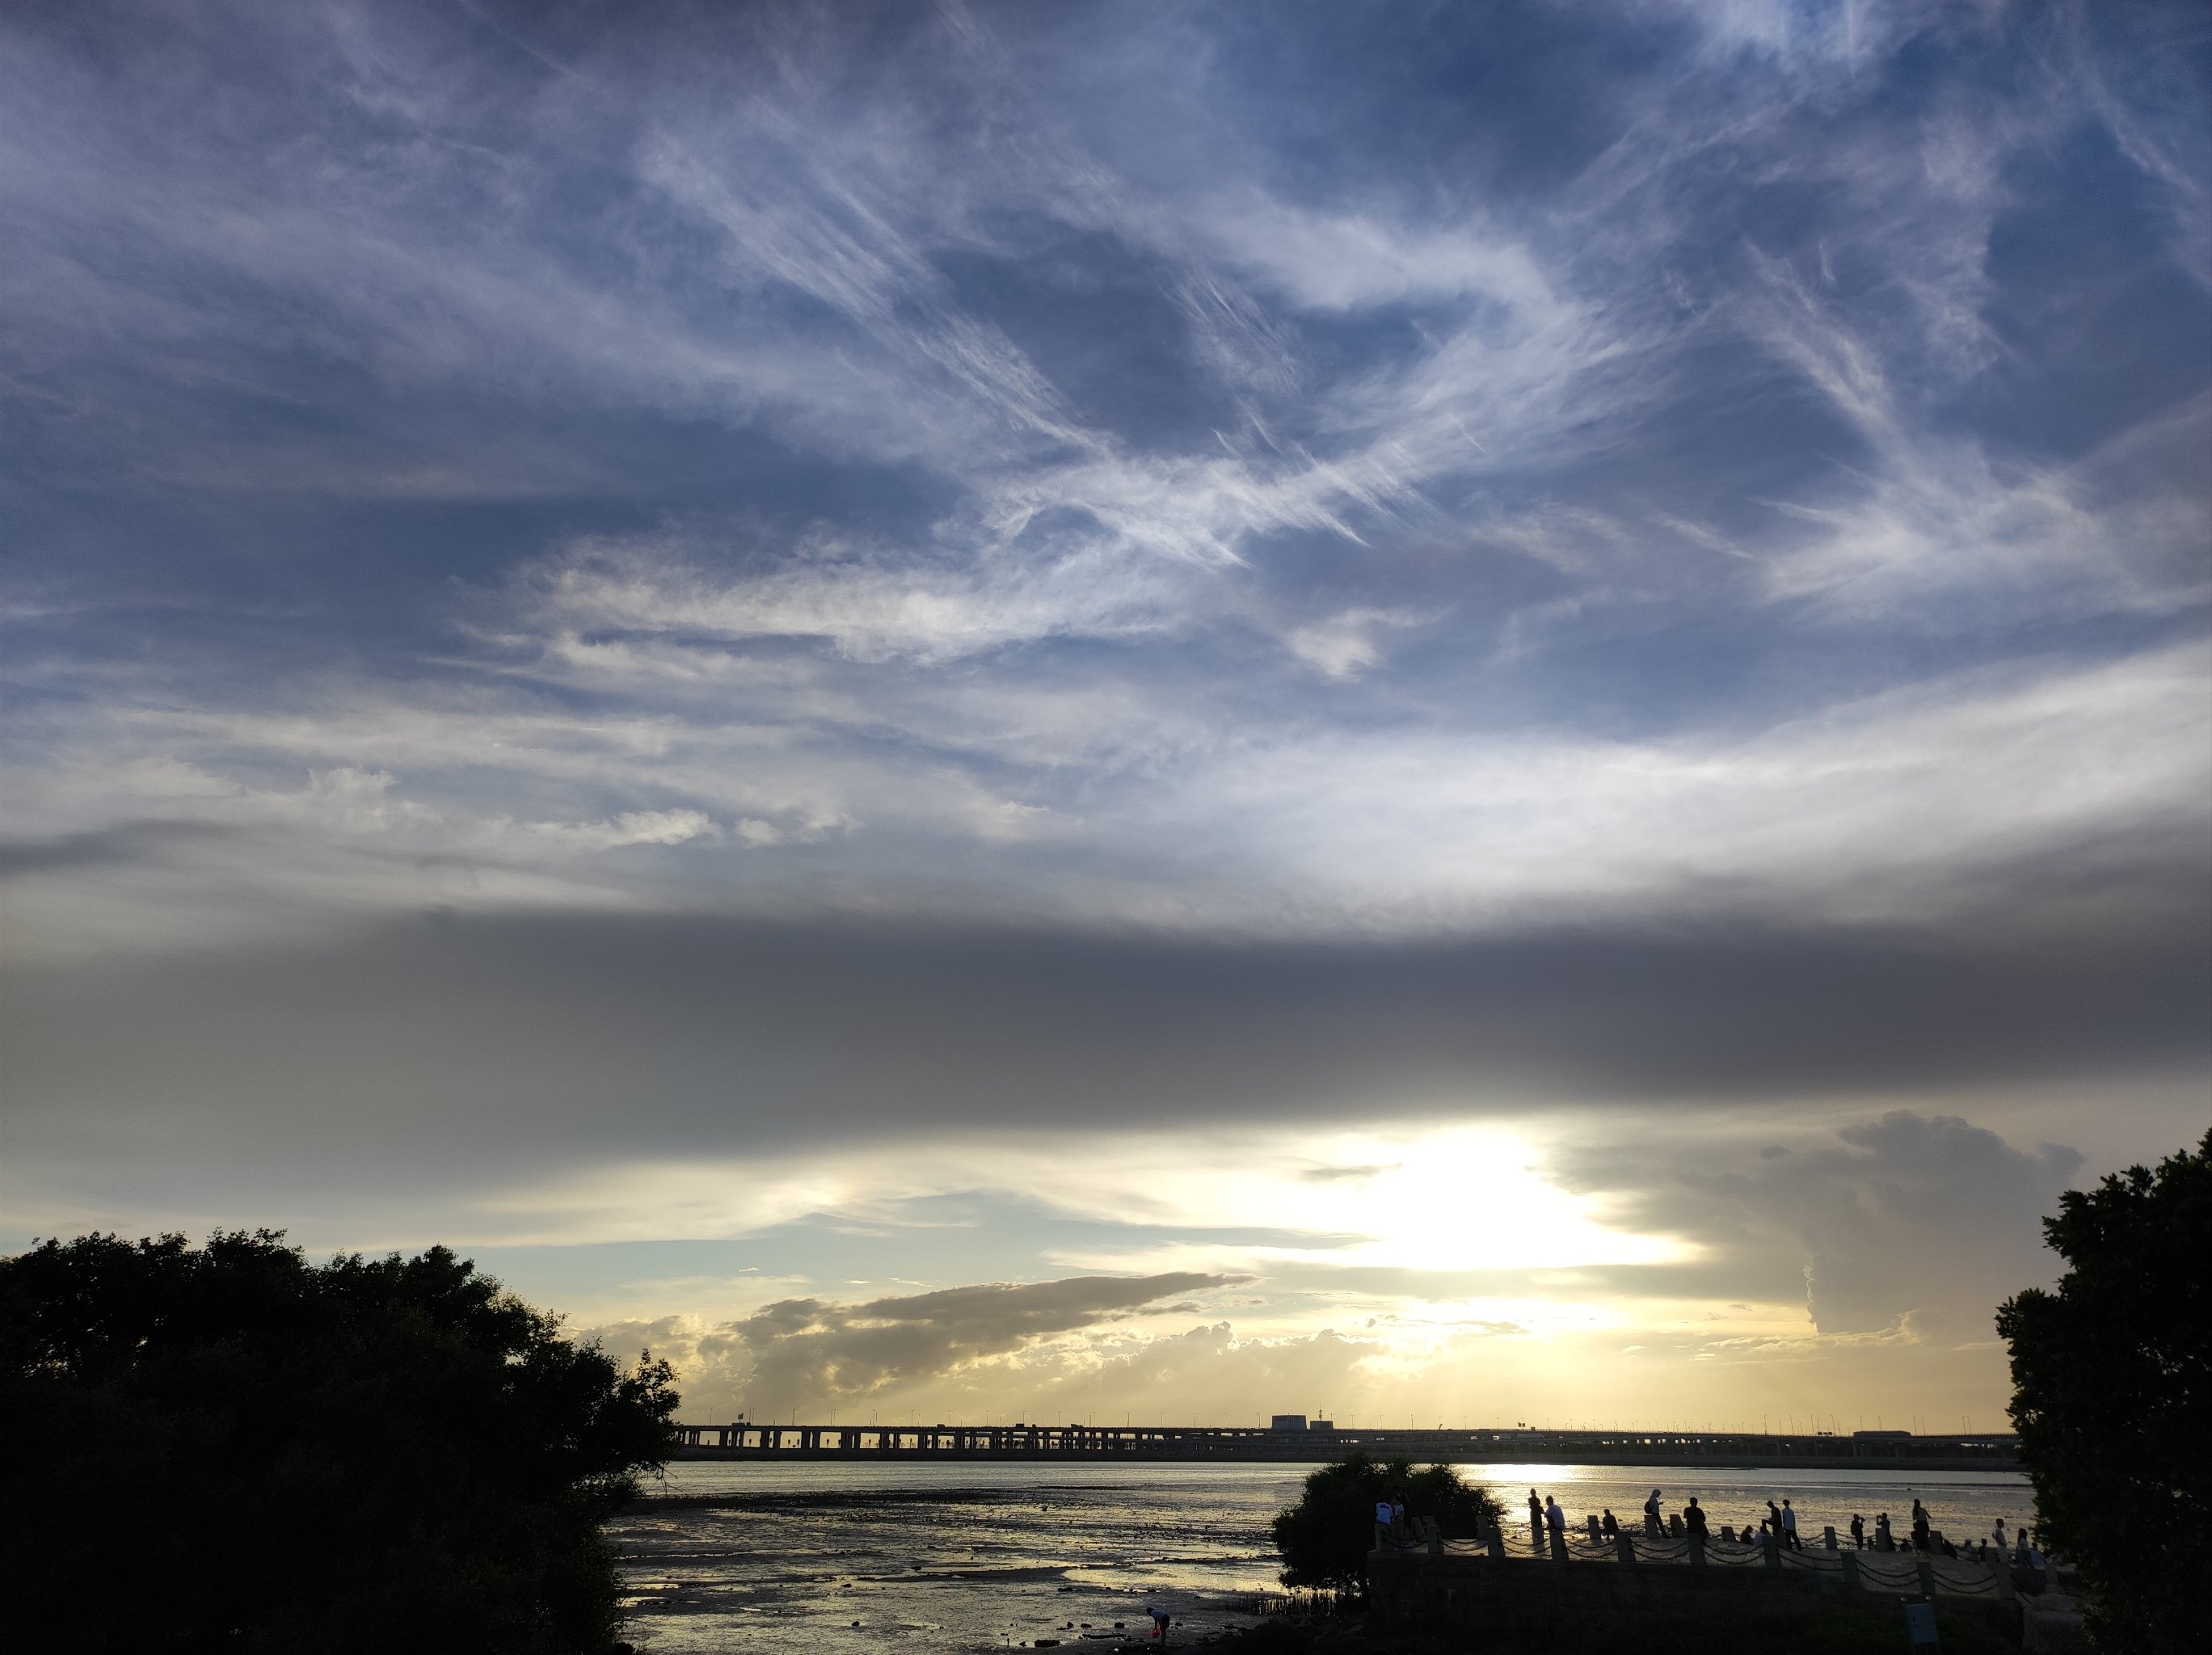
1999	1537
1555	1518
1789	1526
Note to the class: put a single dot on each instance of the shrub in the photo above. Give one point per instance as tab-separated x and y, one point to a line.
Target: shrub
1324	1539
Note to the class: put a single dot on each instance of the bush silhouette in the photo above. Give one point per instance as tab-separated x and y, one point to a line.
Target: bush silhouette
1324	1539
225	1447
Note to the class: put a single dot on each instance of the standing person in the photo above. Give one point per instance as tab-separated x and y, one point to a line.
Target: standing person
1555	1518
1883	1540
1920	1527
1161	1621
1789	1527
1536	1519
1858	1532
1998	1536
1651	1516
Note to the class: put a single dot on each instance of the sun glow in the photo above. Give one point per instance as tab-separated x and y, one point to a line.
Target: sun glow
1423	1199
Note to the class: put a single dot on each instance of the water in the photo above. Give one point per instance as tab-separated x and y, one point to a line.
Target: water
983	1555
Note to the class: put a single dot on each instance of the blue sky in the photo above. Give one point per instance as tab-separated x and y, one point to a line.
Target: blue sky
1459	689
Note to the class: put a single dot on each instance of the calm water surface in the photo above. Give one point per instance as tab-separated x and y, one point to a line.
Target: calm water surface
977	1556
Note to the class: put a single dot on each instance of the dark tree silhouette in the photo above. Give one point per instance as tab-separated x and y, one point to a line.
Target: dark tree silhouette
226	1447
1324	1539
2112	1381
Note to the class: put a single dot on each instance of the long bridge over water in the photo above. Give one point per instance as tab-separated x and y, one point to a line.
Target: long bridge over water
1301	1445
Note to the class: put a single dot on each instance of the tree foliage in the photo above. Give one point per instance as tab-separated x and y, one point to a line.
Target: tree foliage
1324	1539
2112	1379
227	1447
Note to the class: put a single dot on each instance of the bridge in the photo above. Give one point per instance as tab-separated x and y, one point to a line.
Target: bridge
1093	1444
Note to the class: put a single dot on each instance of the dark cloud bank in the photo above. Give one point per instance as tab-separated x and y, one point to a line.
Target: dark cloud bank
529	1039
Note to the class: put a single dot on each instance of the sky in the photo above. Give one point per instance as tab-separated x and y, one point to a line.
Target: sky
1143	710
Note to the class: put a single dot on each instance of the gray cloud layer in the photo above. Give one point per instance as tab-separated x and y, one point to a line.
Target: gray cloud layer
532	1043
1911	1215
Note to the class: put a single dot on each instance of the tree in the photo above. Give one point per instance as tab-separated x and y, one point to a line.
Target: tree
1324	1539
227	1448
2112	1379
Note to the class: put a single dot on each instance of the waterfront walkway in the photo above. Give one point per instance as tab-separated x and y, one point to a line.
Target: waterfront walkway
1614	1585
1903	1572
